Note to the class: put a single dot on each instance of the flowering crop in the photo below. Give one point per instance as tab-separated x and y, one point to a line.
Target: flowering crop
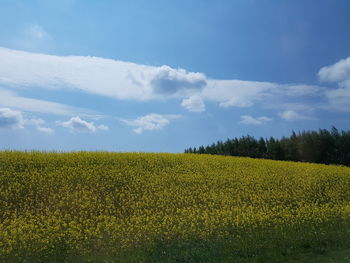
56	204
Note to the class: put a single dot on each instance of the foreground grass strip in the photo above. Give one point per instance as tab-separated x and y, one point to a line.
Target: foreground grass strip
133	207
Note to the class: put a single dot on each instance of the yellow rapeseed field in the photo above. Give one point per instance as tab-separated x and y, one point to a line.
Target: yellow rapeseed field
61	206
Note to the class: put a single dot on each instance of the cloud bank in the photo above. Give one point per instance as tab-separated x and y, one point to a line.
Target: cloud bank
105	77
130	81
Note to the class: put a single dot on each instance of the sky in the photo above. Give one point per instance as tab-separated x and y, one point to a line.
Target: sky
162	76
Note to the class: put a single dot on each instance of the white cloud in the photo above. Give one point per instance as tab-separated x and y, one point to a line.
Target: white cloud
339	73
291	115
339	99
194	104
11	119
14	119
35	122
76	124
170	81
149	122
249	120
11	99
237	93
299	90
106	77
102	127
130	81
45	129
124	80
38	123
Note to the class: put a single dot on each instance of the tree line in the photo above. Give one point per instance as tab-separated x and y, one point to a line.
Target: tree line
322	146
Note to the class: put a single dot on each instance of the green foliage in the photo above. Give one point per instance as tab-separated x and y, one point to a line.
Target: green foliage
323	146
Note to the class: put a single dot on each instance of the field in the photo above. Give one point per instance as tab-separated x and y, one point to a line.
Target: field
136	207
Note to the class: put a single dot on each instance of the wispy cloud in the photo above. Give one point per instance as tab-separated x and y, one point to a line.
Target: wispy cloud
339	99
291	115
45	129
12	100
37	31
76	124
249	120
237	93
103	127
299	90
39	124
149	122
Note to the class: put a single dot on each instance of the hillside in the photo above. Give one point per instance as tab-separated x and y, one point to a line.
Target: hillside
138	207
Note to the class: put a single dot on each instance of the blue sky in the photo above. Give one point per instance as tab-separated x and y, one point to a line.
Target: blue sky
162	76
